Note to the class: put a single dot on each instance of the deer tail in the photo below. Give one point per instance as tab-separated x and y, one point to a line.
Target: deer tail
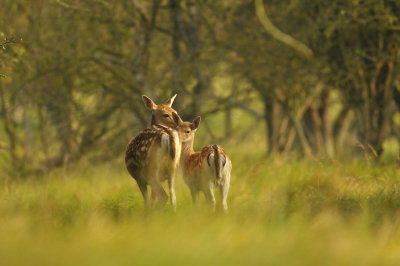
217	161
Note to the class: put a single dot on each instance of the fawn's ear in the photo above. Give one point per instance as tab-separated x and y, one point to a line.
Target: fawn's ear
196	123
170	101
150	105
178	121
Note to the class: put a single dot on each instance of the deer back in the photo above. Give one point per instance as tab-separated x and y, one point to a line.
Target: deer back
203	164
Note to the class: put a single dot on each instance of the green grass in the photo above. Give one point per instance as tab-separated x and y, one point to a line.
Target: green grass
282	212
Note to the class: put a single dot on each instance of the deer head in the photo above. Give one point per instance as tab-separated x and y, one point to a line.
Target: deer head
162	114
187	130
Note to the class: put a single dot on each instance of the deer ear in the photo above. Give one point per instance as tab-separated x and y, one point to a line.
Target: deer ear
170	101
150	105
178	121
196	123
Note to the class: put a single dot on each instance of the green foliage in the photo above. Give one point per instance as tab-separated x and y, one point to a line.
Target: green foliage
74	83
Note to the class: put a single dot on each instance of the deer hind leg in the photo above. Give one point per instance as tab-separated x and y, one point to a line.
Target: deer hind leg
145	193
209	194
159	192
224	188
153	198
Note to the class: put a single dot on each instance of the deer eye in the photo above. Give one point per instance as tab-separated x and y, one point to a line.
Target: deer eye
165	115
188	131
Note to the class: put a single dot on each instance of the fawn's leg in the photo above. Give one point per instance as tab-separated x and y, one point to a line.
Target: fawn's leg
209	194
195	196
224	188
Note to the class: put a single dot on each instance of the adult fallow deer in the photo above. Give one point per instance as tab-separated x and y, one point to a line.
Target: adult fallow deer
152	156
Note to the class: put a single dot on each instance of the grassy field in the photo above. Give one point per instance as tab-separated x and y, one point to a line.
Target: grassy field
282	212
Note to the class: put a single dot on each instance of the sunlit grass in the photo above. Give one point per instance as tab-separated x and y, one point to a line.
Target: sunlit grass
283	211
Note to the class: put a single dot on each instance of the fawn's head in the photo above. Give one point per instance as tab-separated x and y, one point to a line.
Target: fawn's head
187	129
162	114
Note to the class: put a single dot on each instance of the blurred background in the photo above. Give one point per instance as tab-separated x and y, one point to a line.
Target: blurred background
317	78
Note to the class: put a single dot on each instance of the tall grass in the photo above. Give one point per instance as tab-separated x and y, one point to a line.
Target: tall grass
282	212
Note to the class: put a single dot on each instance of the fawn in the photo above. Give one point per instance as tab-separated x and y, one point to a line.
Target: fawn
152	156
206	169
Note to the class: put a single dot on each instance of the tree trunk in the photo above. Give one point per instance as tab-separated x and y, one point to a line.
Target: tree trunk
300	133
9	129
376	111
228	122
327	124
271	121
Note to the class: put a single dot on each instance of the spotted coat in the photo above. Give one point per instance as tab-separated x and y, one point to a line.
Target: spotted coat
141	148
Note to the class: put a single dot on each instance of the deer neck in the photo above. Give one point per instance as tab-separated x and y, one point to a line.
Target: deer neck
187	149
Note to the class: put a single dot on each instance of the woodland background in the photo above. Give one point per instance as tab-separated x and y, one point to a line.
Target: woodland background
73	73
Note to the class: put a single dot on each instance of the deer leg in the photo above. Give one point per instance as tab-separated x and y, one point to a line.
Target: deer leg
145	193
153	198
159	193
209	194
224	188
171	185
195	196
